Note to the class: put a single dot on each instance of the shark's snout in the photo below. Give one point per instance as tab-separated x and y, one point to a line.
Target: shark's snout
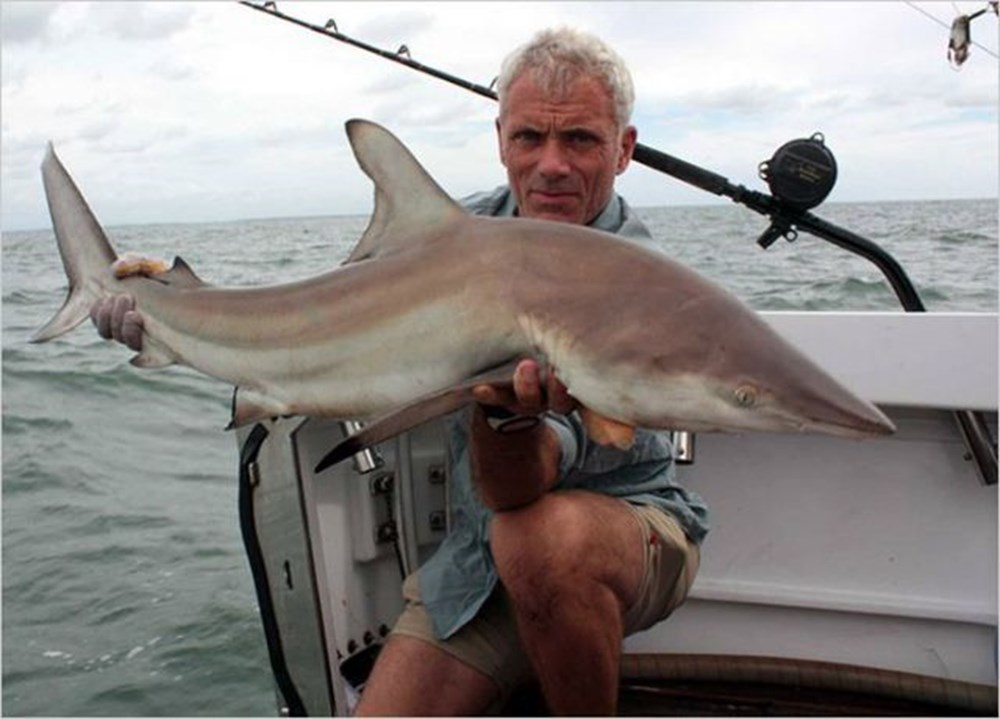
861	420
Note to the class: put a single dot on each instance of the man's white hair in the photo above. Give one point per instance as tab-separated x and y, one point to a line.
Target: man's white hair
556	57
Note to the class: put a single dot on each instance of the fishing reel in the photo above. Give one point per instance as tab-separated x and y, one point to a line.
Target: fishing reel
800	175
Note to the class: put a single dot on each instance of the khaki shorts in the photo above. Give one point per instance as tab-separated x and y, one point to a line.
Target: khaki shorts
490	643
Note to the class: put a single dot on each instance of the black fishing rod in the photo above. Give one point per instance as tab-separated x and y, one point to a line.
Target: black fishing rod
402	55
786	211
800	175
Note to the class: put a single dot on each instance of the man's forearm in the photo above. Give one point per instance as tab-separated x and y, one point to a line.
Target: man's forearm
512	470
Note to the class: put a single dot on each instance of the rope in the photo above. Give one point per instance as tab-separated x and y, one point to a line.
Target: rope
809	674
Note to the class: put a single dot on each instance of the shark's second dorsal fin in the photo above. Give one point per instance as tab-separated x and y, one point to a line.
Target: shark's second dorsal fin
178	275
181	275
407	199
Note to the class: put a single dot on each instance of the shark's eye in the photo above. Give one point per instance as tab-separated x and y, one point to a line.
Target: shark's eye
745	395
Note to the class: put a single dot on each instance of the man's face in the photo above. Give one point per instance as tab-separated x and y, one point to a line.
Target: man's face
562	153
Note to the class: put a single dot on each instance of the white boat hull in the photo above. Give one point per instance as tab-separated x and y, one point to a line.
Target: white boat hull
878	554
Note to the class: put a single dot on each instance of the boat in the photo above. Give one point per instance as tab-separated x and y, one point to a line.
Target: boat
843	567
840	577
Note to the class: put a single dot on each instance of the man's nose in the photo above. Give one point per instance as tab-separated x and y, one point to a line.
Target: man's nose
552	161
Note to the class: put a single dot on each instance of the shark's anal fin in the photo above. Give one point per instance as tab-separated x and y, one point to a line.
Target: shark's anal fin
606	431
153	355
251	406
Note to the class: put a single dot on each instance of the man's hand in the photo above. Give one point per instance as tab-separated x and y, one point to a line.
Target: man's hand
513	469
116	319
533	392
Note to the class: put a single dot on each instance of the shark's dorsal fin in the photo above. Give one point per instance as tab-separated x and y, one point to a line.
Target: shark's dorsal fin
407	199
181	275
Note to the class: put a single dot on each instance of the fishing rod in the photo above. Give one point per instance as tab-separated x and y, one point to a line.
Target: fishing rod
402	55
800	175
807	181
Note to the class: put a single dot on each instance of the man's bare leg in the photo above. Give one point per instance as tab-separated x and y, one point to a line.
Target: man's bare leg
414	678
572	563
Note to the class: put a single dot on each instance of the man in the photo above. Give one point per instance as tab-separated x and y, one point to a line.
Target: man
559	547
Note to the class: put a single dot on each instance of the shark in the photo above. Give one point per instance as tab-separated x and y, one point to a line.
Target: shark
433	302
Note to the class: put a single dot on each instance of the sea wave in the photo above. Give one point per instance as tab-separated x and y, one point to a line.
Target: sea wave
126	590
963	238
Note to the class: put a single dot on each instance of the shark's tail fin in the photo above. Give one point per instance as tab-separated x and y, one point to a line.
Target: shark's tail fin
86	253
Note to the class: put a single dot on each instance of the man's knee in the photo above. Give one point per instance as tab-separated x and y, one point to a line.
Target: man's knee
566	544
539	541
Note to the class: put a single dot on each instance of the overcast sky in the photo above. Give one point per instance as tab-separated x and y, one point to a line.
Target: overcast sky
175	112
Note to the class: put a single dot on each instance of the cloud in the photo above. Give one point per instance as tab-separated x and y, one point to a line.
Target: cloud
140	22
402	27
172	68
216	105
25	22
752	98
389	84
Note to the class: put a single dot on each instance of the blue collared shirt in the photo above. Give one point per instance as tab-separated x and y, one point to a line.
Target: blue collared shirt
460	576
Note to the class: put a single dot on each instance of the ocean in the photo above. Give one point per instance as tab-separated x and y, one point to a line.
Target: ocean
125	587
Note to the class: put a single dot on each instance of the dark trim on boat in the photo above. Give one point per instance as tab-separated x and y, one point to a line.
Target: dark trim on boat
251	542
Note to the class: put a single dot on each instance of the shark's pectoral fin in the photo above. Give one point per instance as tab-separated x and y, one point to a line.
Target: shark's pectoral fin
398	422
606	431
250	406
416	413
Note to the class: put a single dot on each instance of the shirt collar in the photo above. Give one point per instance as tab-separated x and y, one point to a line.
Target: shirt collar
608	219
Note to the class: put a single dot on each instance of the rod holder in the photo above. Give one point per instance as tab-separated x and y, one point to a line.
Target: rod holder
367	460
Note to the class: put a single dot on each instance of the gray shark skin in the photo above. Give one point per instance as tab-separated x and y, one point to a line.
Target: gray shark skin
433	299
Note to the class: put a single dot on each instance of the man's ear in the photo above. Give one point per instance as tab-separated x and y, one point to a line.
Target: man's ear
500	148
629	138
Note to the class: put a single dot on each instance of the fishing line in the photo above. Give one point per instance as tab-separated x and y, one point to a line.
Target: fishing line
947	27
